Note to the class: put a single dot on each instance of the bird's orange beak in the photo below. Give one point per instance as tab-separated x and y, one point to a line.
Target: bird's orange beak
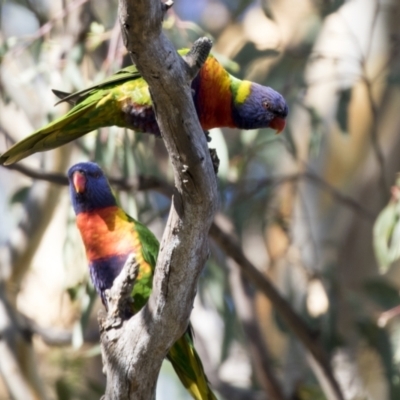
278	124
79	181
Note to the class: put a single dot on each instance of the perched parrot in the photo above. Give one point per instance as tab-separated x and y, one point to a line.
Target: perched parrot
109	236
221	100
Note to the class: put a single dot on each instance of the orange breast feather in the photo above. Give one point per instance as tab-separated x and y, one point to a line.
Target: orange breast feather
215	96
107	232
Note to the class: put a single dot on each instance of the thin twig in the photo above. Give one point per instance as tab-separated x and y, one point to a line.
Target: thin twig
127	184
143	182
340	197
56	337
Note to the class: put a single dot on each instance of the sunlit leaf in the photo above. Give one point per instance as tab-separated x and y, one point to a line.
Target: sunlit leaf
20	195
387	232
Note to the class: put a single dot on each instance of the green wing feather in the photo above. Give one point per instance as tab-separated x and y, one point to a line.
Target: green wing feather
125	74
149	248
183	355
98	106
150	244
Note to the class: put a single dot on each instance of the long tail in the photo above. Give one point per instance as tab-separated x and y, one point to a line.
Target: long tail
59	132
94	107
188	366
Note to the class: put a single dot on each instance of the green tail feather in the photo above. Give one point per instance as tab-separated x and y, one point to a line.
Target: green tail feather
189	368
183	356
57	133
94	107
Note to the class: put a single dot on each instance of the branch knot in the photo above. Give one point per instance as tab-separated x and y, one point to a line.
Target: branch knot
118	299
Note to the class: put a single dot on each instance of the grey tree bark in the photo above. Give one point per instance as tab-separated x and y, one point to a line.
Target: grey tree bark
134	349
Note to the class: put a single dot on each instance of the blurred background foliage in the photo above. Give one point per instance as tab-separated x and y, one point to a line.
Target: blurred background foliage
302	205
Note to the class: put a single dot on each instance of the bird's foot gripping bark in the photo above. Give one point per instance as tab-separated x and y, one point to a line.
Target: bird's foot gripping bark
213	153
118	298
214	159
208	137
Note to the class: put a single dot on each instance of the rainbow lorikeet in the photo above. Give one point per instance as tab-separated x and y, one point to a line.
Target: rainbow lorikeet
221	100
110	236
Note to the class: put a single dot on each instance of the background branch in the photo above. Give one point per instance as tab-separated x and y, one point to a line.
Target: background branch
148	182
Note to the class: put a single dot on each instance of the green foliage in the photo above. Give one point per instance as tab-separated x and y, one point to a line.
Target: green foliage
387	232
20	195
310	392
379	339
382	293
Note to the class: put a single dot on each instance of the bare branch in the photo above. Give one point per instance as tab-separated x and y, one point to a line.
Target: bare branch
133	353
119	300
340	197
56	337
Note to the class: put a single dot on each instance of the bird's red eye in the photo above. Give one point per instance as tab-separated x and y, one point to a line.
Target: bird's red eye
266	105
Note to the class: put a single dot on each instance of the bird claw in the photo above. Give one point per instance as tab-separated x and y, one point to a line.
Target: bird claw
208	137
214	159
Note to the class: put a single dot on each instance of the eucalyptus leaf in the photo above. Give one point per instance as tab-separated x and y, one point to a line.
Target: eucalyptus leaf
386	235
20	195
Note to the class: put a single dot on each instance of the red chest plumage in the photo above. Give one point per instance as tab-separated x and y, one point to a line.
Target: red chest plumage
215	97
106	232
